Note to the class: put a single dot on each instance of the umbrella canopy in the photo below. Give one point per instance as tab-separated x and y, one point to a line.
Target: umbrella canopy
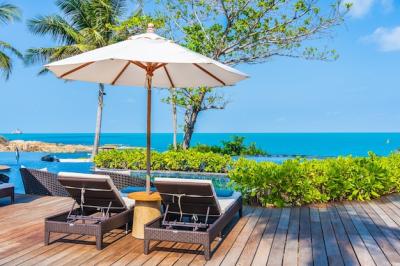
146	59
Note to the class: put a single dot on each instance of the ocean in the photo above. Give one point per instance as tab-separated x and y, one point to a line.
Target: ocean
279	145
309	144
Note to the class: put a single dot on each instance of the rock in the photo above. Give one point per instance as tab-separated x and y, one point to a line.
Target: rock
37	146
49	158
3	140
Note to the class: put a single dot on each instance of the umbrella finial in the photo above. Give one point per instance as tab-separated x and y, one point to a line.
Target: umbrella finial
150	28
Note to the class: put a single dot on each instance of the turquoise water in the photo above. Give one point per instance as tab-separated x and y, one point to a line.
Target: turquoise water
310	144
280	145
32	160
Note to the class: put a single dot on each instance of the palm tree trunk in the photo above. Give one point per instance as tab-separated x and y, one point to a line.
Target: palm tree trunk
98	121
174	119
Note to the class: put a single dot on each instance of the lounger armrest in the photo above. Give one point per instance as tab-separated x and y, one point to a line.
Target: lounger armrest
155	223
215	229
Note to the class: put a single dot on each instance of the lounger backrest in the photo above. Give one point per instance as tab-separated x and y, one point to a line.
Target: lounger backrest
195	195
99	190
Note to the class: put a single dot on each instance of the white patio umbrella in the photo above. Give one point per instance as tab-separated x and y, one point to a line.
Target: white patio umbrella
146	59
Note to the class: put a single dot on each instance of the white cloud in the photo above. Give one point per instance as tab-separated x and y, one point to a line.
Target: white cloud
387	39
360	8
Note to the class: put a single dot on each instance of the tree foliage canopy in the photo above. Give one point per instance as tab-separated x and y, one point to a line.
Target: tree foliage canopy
8	14
247	31
81	26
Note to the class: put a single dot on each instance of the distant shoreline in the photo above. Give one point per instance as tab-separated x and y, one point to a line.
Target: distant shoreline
39	146
301	144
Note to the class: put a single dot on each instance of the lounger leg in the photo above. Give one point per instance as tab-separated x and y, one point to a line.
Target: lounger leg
146	246
12	197
46	237
99	242
240	212
207	251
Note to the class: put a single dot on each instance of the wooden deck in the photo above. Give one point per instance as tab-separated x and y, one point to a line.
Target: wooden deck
352	233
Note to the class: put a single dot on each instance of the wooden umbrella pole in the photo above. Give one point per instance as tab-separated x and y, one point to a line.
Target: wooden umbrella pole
149	76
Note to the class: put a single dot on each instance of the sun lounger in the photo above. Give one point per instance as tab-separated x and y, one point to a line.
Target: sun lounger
7	190
42	182
193	213
98	207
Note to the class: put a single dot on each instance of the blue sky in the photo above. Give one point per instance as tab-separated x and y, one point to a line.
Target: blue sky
357	93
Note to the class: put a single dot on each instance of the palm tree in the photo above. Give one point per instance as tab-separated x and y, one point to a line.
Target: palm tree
84	25
8	13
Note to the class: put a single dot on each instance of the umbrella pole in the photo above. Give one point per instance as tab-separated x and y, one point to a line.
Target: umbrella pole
148	136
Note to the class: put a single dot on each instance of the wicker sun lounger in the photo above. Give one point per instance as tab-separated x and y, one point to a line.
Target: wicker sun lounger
42	182
98	207
7	190
193	213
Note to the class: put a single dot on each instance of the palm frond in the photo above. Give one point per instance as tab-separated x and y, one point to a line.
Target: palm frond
9	13
55	26
46	55
5	65
4	46
78	12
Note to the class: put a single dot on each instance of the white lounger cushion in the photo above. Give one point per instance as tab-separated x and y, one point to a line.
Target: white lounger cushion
224	203
129	203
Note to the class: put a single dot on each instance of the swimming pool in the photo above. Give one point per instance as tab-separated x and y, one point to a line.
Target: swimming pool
33	160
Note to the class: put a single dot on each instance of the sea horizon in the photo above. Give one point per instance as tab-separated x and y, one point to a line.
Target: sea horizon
318	144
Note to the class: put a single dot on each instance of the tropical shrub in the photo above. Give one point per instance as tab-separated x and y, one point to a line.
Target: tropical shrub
299	182
183	160
233	147
292	183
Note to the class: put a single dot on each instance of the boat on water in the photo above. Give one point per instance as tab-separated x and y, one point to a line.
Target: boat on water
17	132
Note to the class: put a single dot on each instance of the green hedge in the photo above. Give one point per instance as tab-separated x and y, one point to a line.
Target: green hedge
292	183
299	182
170	160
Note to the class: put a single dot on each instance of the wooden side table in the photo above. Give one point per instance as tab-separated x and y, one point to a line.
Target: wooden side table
147	208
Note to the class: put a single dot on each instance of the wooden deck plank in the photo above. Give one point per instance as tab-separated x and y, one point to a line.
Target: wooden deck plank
292	240
251	247
228	241
353	233
305	256
187	258
389	213
317	239
385	223
236	250
154	257
378	236
132	254
389	220
278	245
363	256
346	249
331	245
87	250
373	248
264	248
173	257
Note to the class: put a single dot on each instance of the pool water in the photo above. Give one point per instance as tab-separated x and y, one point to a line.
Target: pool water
33	160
